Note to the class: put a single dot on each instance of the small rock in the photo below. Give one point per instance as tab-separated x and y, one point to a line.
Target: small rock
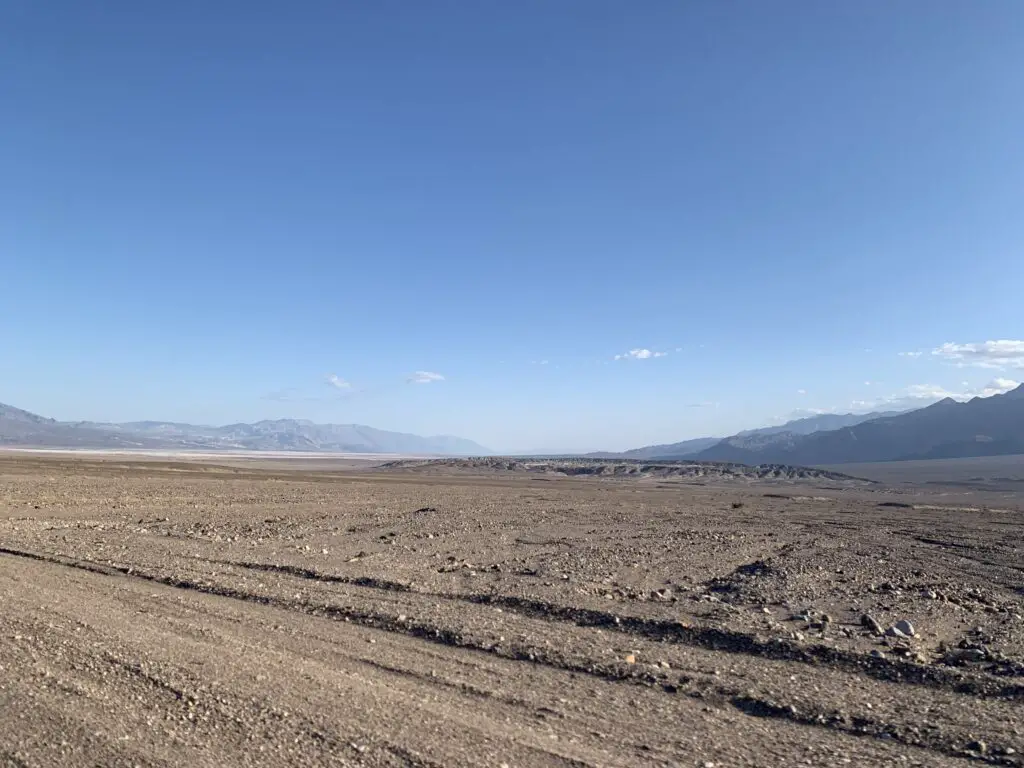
630	658
871	623
894	632
977	746
961	655
906	628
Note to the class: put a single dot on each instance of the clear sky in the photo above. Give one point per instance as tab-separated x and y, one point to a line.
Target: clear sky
452	216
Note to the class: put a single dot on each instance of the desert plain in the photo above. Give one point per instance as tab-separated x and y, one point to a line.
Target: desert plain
244	612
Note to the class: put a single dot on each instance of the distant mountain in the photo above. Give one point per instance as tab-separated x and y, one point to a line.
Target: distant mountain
13	415
680	450
759	437
822	422
18	427
983	426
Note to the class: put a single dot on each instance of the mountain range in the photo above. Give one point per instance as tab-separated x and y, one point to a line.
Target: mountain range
982	426
764	435
18	427
685	448
822	422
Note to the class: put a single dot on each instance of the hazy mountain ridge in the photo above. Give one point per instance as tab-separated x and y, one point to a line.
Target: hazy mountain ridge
755	439
18	427
822	422
684	448
983	426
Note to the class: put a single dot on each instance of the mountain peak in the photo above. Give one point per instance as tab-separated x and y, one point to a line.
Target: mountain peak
1017	391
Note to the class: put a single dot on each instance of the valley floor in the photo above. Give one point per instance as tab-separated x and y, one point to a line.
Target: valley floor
159	614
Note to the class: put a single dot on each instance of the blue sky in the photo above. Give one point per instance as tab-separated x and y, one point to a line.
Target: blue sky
209	209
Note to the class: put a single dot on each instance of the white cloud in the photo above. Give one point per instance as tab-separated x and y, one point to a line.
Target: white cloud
425	377
801	391
918	395
910	354
338	383
998	386
640	354
803	413
927	392
703	404
1004	353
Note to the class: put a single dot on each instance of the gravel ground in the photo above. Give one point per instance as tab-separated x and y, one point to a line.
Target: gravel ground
158	613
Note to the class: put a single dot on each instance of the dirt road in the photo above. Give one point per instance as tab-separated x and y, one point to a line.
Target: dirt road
158	614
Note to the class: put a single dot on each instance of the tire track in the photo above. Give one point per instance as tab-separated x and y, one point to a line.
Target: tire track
704	690
707	638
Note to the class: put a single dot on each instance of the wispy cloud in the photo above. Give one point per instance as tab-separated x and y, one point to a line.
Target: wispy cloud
999	386
425	377
803	413
920	394
801	391
910	354
640	354
703	404
337	382
1004	353
281	395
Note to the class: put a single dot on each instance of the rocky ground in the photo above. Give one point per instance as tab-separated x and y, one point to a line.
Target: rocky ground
158	614
637	470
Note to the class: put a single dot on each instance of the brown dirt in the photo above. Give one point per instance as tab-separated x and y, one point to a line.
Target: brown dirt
159	614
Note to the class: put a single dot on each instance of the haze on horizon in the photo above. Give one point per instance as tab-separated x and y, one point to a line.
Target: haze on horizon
561	227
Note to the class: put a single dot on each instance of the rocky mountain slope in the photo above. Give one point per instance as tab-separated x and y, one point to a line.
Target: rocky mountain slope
984	426
18	427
